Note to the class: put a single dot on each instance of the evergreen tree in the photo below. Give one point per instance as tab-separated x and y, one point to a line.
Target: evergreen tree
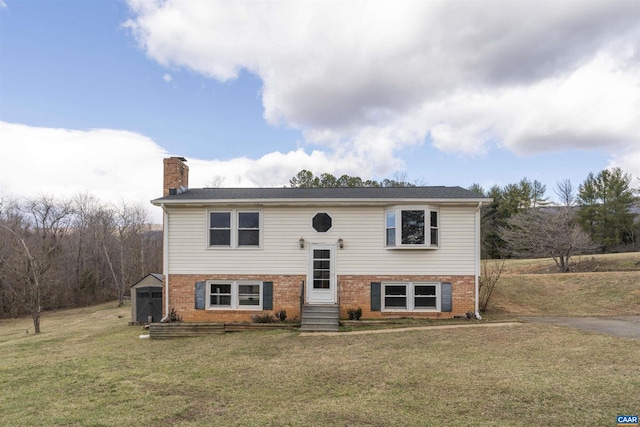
606	202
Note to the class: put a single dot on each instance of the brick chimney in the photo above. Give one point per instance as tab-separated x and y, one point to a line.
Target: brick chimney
176	176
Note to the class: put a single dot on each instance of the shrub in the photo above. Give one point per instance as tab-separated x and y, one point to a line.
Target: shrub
173	316
263	318
354	314
281	315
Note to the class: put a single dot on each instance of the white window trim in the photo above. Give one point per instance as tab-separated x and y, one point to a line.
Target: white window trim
411	296
233	242
398	227
235	302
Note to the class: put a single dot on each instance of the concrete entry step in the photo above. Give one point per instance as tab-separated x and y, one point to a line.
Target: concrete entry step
320	318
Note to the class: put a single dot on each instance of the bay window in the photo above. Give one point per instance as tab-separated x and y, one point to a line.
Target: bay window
412	228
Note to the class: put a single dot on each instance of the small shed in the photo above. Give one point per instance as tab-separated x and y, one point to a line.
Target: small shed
146	299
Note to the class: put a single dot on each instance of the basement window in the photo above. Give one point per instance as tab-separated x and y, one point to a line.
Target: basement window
411	296
242	295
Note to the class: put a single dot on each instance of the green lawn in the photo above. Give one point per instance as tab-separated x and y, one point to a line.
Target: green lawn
88	368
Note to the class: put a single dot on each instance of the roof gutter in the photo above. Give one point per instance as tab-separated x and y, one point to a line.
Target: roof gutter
311	201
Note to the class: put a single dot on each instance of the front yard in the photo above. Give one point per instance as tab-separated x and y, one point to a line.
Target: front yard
88	368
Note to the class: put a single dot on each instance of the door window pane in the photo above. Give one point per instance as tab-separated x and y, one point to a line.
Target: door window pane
321	254
321	269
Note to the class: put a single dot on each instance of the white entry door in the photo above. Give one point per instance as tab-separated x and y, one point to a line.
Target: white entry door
321	277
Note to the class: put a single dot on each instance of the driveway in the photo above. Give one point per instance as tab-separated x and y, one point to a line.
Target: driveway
619	326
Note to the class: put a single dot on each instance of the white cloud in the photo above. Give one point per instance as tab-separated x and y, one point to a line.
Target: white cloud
370	78
167	78
116	165
112	165
3	5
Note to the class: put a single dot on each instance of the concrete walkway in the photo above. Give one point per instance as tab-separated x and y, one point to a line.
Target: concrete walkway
619	326
413	328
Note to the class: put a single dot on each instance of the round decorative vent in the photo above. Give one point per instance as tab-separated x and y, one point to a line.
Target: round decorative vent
322	222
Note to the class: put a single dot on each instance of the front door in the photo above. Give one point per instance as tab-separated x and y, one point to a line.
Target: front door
321	278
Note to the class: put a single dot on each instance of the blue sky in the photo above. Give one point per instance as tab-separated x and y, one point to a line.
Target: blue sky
94	93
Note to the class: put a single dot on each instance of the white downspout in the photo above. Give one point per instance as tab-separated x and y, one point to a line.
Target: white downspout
165	257
478	249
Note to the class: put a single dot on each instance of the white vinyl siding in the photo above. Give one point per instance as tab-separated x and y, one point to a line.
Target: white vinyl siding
362	229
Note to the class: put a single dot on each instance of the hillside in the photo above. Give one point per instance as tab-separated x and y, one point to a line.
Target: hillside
603	285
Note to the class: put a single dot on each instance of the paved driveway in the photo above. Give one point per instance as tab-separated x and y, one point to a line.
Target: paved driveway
620	326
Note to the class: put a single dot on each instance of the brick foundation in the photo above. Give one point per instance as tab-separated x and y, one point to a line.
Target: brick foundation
354	291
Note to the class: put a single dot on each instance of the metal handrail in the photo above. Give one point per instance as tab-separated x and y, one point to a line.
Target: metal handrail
301	298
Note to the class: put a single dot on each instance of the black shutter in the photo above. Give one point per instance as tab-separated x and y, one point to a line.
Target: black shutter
267	295
445	292
200	295
375	296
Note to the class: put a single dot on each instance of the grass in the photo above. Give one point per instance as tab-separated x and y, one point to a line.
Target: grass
88	368
613	289
628	261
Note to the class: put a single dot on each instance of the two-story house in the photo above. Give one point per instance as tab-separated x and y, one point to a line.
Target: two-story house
394	252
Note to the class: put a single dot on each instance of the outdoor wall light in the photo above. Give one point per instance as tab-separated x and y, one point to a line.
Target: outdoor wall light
301	242
340	243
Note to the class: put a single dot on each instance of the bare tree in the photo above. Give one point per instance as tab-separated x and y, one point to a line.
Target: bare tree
546	232
216	181
81	253
37	243
120	231
565	192
491	271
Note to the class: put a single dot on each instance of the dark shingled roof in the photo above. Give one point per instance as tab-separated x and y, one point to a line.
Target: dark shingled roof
302	194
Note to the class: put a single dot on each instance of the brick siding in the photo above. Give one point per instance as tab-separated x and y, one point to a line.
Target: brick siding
354	291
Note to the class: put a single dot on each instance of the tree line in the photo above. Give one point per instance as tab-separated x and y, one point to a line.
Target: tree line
67	253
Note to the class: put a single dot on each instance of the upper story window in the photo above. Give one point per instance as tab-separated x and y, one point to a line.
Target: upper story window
248	229
235	229
220	229
412	228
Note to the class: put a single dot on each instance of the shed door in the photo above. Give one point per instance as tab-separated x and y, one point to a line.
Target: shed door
321	280
148	303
